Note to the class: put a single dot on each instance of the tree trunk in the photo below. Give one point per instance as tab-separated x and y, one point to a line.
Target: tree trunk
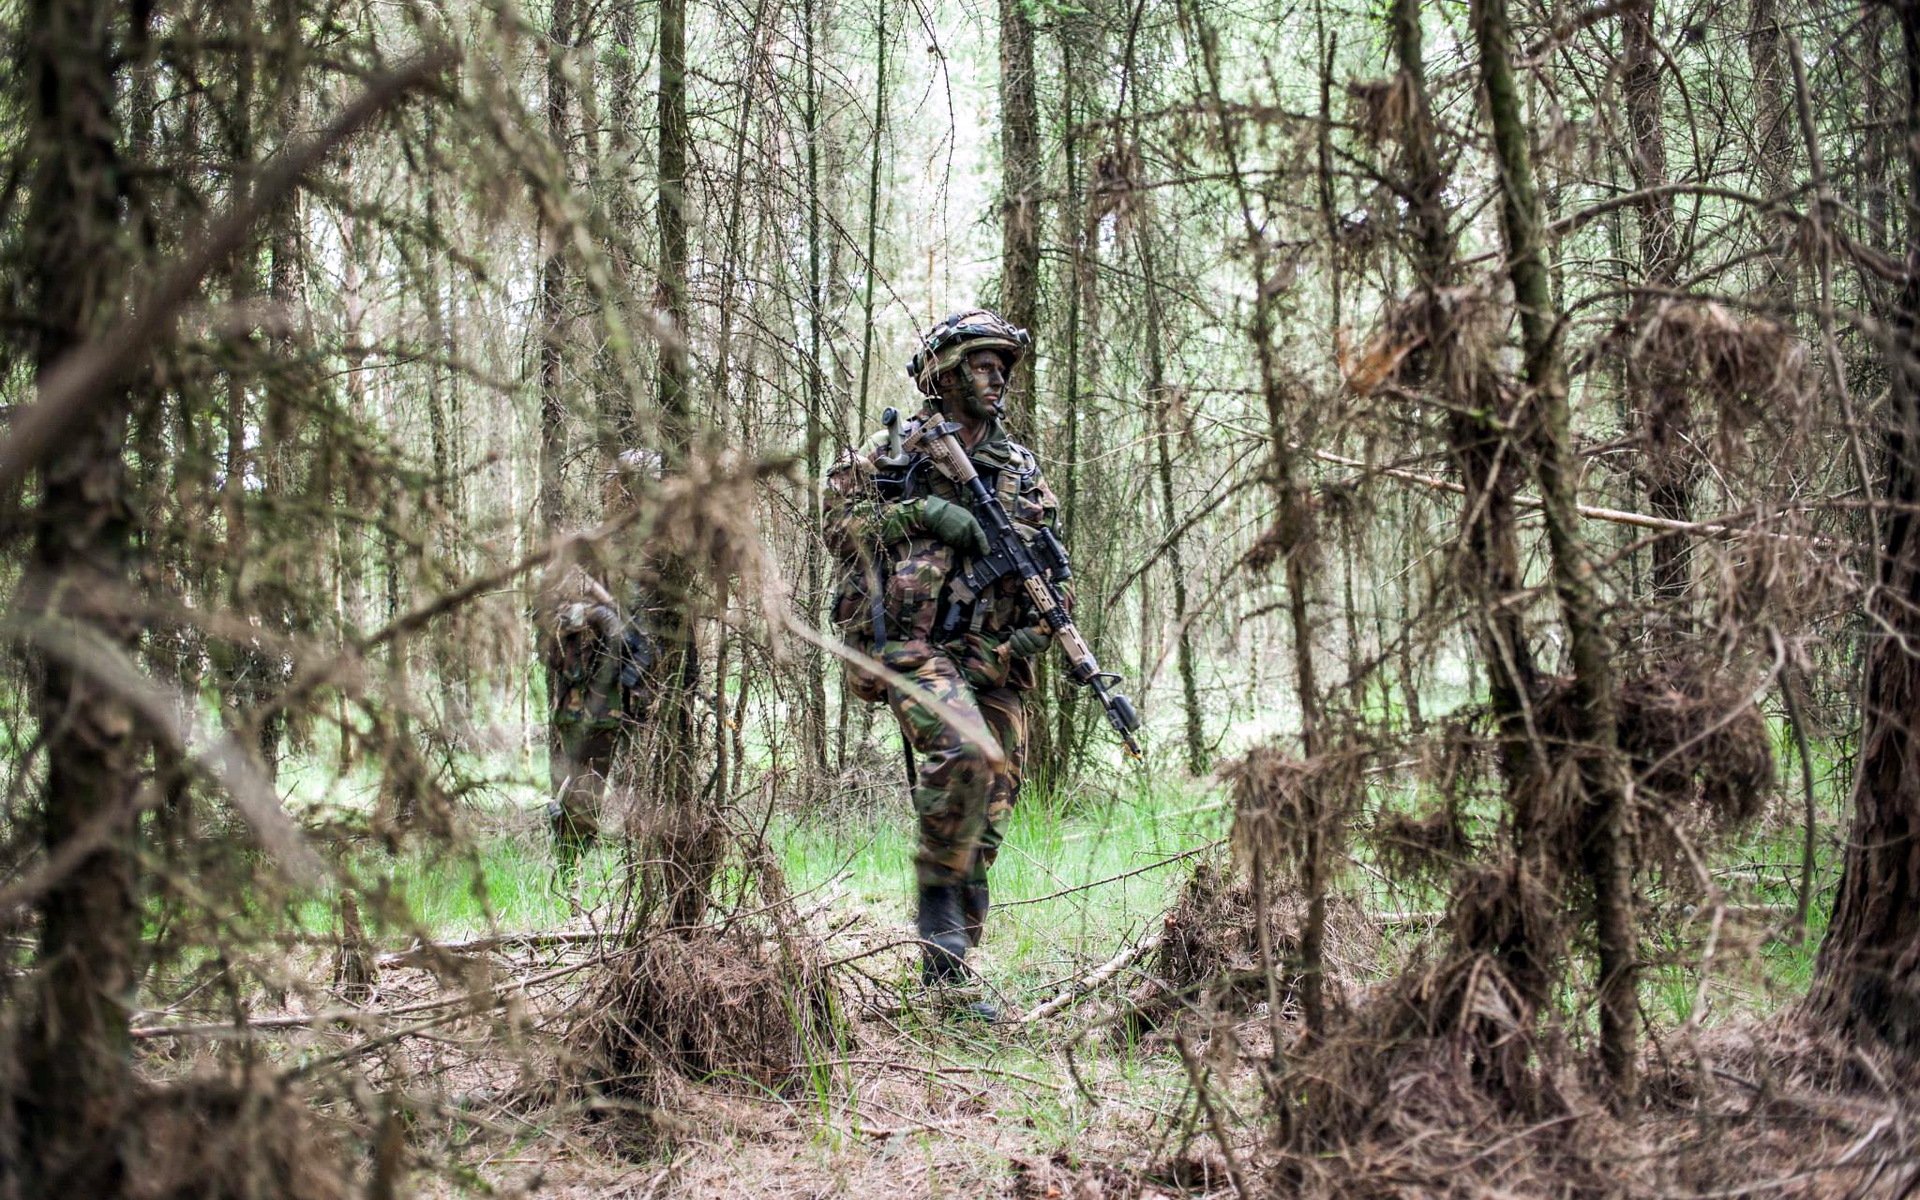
245	667
1079	223
1294	534
1479	418
1020	171
1667	422
1020	298
1548	436
553	284
814	724
76	1049
1867	981
690	834
1773	123
280	454
618	421
862	424
1876	188
1158	399
726	739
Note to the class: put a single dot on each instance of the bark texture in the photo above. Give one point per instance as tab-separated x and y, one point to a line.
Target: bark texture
553	283
691	837
1020	170
1477	423
78	1076
1867	982
1160	402
1605	852
1667	417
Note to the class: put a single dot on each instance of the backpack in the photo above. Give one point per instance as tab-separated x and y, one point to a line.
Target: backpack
602	668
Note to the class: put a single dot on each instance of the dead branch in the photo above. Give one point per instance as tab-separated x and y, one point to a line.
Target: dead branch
423	954
1575	220
75	385
488	1001
1584	19
1092	981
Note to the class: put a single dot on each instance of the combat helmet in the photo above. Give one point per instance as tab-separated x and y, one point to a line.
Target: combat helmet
628	475
972	329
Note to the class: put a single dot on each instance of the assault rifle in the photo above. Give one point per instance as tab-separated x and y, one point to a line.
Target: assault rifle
1009	554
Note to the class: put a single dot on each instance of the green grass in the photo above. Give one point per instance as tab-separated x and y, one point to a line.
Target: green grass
1047	927
500	882
863	863
1758	871
504	879
1036	934
1048	923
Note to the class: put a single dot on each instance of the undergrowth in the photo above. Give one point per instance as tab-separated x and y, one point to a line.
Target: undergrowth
1134	846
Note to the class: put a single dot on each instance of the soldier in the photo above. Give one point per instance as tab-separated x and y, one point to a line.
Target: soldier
902	531
599	657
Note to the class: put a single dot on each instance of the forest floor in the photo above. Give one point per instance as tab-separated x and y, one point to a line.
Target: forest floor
905	1097
915	1099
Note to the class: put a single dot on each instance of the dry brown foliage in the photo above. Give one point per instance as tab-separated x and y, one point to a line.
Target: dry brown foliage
1409	1119
1209	956
704	515
1428	845
1116	190
1700	750
1751	365
1382	107
1208	966
230	1139
355	965
1697	739
1279	801
1463	321
1782	1106
1366	369
744	1004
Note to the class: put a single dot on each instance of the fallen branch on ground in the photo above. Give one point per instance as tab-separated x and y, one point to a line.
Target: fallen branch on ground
476	1005
1099	975
422	954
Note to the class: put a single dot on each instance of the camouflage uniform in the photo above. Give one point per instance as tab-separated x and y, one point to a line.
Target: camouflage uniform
598	665
599	657
900	601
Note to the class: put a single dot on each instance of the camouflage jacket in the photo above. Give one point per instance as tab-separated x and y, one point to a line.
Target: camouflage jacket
896	595
602	668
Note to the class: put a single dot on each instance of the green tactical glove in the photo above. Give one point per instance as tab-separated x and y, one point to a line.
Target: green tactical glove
1029	642
953	524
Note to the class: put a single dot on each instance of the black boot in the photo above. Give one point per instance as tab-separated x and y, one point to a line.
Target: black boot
973	900
942	927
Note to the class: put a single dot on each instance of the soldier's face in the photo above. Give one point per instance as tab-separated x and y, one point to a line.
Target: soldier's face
982	384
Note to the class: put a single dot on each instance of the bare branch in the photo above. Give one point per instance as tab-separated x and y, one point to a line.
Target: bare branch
75	385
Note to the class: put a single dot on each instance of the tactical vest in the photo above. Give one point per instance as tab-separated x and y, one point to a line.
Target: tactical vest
600	681
878	578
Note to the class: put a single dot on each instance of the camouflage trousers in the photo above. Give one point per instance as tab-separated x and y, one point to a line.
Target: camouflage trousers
577	767
962	801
